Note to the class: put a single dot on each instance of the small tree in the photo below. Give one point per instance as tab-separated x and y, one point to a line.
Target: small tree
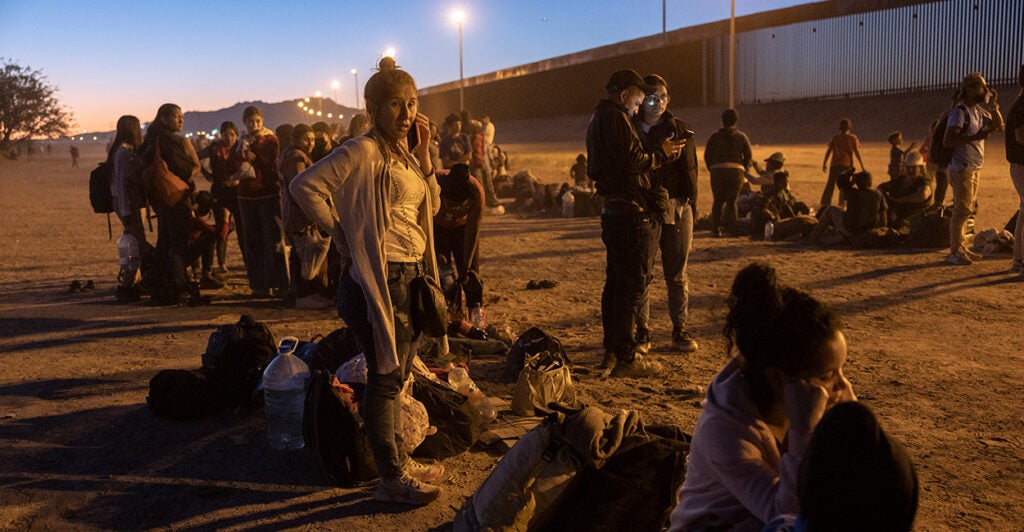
28	107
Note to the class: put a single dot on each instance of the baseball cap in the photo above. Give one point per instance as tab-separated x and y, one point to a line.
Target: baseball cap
777	157
624	79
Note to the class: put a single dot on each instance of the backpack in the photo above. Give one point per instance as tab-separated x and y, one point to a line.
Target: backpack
333	435
930	230
333	350
236	356
531	342
99	188
635	489
182	394
458	420
938	153
539	473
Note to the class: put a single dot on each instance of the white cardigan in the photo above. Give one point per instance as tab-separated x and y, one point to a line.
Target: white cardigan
353	176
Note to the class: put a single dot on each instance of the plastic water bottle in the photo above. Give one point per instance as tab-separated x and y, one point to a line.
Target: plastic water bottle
284	394
459	379
129	258
769	230
568	205
476	317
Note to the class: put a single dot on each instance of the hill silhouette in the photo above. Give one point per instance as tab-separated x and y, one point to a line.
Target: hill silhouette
274	114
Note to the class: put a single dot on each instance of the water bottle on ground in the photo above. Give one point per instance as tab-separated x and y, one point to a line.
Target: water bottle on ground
284	394
476	317
459	379
769	230
129	258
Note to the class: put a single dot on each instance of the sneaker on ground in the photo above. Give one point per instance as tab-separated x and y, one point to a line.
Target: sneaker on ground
974	256
683	341
406	490
422	472
639	367
958	259
608	360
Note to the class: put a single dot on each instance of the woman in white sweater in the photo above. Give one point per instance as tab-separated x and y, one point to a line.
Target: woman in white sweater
761	409
385	196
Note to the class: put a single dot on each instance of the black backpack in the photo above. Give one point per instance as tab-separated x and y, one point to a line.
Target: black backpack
182	394
236	356
634	490
457	419
333	436
938	153
99	188
531	342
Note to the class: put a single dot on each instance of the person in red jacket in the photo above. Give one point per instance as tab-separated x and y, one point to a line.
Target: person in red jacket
259	204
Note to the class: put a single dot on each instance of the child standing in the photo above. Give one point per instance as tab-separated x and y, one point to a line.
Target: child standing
897	154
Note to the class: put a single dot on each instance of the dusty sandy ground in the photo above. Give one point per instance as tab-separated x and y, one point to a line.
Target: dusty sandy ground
934	349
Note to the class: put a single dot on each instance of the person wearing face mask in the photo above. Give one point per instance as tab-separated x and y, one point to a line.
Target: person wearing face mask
223	162
761	409
259	203
385	195
621	167
975	116
679	181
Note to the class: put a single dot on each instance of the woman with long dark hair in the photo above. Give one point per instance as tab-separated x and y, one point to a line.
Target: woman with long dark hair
175	221
126	185
224	163
385	196
761	409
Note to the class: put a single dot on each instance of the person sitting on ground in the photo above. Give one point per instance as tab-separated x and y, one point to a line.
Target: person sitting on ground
897	154
865	211
761	409
908	195
789	216
457	236
853	477
765	178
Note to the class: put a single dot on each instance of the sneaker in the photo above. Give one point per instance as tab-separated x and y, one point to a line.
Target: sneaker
974	256
406	490
608	360
422	472
639	367
643	341
313	302
683	341
209	282
958	259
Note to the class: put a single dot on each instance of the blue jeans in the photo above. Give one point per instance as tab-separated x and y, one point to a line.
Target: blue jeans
675	242
264	242
629	244
380	408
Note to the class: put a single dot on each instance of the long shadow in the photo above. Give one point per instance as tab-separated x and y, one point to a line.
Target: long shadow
152	472
931	290
56	389
832	282
87	336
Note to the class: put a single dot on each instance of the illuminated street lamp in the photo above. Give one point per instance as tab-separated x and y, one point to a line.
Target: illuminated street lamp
458	17
356	74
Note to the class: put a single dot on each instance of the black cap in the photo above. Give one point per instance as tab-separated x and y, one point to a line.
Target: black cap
624	79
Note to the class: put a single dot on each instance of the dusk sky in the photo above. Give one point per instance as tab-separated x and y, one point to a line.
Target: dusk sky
110	57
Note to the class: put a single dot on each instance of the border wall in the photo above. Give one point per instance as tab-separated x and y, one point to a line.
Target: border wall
830	49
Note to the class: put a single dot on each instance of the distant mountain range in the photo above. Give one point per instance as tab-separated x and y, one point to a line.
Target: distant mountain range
274	114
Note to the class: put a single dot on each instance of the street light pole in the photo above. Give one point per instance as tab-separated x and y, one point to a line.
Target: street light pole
462	80
355	73
732	54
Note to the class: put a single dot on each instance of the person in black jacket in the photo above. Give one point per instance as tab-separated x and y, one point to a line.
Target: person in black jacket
679	180
621	168
727	156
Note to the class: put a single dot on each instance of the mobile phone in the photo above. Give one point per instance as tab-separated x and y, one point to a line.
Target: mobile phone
414	135
287	345
688	134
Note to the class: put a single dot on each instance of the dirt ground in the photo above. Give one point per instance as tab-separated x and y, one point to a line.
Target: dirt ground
934	349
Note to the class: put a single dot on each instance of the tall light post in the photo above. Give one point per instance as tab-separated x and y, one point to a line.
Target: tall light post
355	73
458	17
732	54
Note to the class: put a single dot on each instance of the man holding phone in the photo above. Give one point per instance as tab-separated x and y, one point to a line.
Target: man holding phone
621	166
971	121
678	181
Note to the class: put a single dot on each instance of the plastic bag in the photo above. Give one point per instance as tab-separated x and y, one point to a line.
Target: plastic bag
545	378
414	423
